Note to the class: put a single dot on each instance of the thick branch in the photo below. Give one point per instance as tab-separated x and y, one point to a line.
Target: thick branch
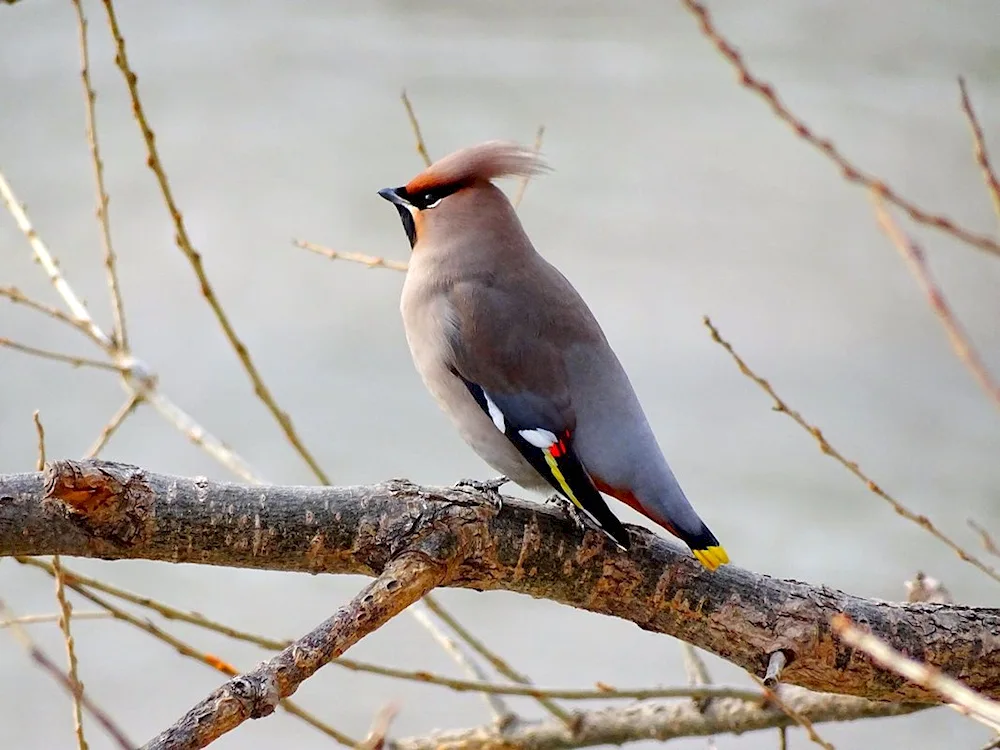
97	509
257	693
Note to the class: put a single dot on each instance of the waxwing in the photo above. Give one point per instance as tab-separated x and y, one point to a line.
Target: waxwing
514	356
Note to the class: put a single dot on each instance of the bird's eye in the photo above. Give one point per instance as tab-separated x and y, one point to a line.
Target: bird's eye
429	200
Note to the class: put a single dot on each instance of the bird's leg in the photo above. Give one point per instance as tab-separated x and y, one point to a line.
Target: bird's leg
575	514
490	488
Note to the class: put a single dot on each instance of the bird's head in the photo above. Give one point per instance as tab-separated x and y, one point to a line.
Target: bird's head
457	188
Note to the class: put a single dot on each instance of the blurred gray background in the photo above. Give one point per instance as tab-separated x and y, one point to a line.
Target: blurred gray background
675	194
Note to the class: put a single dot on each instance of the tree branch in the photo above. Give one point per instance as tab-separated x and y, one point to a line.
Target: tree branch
656	721
107	510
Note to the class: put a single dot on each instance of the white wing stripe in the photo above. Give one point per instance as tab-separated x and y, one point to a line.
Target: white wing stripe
495	414
539	438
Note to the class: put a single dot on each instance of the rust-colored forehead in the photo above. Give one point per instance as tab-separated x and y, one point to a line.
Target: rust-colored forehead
478	163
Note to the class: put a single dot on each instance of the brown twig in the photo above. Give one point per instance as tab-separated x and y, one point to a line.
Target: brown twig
40	658
119	333
799	718
82	584
985	537
960	697
194	257
54	617
979	146
496	704
780	406
74	582
415	127
17	297
499	664
372	261
255	694
69	359
523	183
65	612
916	261
850	172
112	425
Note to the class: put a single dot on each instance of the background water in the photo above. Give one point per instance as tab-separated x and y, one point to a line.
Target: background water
675	194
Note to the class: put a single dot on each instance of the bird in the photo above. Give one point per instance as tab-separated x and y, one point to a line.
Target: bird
515	357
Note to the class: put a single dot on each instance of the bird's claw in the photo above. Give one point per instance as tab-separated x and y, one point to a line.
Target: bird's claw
489	487
575	514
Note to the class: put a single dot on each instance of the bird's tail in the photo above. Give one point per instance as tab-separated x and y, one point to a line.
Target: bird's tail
704	546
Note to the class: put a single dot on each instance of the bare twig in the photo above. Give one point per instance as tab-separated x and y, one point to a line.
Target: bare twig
53	617
69	359
16	296
500	710
499	664
40	658
415	127
255	694
372	261
75	305
960	697
775	664
799	718
979	146
119	333
109	429
850	172
194	258
780	406
380	728
916	260
73	581
85	584
986	538
523	183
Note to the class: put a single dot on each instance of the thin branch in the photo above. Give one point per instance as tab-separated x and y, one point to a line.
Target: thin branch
17	297
50	618
780	406
73	688
69	359
979	147
119	332
74	678
499	664
75	305
194	258
109	429
372	261
415	127
496	704
523	183
850	172
255	694
798	717
965	700
114	511
83	584
985	537
73	581
916	261
655	721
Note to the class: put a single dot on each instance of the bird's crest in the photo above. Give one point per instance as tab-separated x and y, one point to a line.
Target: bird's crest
478	163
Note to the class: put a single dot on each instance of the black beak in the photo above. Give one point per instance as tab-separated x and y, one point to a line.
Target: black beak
393	195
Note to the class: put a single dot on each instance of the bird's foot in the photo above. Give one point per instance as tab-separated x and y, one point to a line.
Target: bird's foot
489	487
575	514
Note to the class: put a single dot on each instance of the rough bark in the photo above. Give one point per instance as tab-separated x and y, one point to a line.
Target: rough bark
112	511
656	720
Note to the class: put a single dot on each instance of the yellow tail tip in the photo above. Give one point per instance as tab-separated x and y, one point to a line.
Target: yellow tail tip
712	557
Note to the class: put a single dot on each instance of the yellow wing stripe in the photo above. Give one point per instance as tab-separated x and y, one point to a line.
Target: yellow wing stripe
557	473
711	557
